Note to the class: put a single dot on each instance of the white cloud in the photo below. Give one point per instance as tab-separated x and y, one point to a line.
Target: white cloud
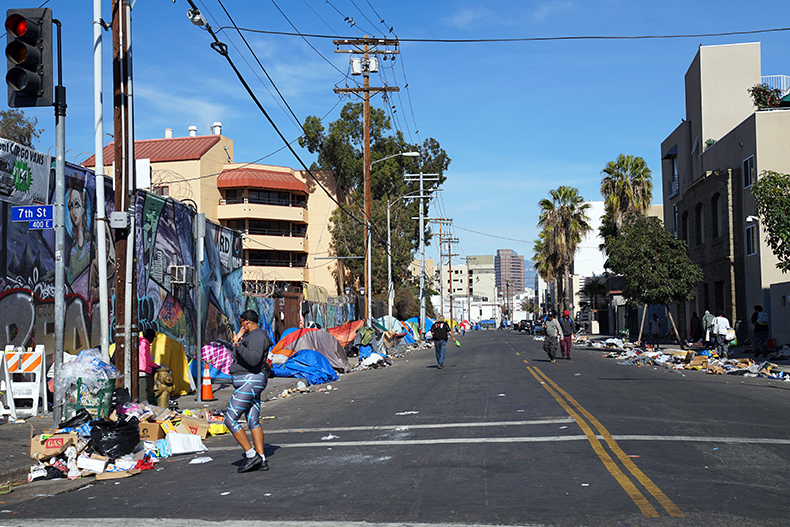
547	9
465	17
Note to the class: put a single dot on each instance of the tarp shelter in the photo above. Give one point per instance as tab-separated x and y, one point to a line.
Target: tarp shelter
167	351
308	365
398	328
347	332
416	320
319	340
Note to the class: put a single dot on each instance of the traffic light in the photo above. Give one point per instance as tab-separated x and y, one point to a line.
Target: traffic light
29	56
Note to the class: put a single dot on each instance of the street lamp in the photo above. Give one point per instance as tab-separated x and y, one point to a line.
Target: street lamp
368	253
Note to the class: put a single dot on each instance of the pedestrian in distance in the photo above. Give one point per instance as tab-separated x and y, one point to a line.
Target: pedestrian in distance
441	332
249	370
553	336
655	331
719	331
568	331
707	322
760	321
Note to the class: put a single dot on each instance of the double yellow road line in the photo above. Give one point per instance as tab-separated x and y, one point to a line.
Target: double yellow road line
574	409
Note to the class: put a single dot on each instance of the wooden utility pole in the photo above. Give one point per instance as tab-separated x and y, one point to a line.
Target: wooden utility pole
124	187
366	46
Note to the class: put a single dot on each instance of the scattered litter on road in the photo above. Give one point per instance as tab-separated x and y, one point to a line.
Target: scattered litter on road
412	412
585	484
563	427
329	437
715	448
501	395
633	456
201	460
224	493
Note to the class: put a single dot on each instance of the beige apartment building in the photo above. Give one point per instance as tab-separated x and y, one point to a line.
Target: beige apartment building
283	212
709	163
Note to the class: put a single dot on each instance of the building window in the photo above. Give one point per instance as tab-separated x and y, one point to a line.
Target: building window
751	240
698	238
684	227
675	221
714	215
162	191
748	172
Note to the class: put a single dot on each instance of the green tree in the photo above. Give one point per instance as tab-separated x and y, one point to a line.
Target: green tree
545	259
627	189
772	195
340	149
18	128
656	266
564	220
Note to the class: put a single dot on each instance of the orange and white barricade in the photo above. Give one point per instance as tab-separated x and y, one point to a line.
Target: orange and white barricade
7	406
28	367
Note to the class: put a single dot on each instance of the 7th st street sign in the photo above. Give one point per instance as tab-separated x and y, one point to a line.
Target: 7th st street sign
37	216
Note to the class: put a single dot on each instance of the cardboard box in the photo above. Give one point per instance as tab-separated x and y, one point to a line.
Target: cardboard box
95	464
151	431
118	474
699	360
193	425
52	446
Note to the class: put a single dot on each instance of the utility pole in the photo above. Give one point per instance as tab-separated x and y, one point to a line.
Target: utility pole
442	239
422	178
450	255
124	188
366	46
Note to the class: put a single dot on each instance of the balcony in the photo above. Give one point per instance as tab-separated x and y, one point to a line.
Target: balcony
275	270
780	82
673	186
258	239
241	208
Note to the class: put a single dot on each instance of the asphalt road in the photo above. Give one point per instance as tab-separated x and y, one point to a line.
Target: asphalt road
500	436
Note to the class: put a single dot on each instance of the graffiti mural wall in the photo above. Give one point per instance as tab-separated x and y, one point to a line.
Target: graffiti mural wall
165	239
27	265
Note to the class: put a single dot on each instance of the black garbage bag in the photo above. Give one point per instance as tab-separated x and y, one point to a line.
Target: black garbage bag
115	439
80	418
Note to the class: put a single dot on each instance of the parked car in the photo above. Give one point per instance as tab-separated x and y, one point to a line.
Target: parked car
524	325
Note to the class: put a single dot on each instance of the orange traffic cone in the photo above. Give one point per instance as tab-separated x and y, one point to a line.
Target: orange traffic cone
206	393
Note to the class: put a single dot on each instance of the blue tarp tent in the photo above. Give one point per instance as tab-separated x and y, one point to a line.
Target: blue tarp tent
213	372
308	365
428	322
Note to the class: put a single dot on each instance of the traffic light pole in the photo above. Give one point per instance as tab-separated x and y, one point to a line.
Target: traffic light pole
60	218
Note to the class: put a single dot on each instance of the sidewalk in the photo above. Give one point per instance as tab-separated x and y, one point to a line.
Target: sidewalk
15	460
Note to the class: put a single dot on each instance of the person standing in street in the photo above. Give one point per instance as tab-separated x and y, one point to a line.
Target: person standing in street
553	336
441	332
568	330
707	322
655	331
719	333
249	372
760	335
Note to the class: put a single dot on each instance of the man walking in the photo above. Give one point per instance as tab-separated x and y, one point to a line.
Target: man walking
655	331
440	332
568	331
553	336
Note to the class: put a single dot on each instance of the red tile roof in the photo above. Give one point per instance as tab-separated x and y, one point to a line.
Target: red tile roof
263	179
163	150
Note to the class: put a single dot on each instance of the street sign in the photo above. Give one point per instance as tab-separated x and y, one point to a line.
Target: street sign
40	224
31	213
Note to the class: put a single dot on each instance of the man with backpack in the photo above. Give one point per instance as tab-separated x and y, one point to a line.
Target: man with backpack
441	332
760	321
568	330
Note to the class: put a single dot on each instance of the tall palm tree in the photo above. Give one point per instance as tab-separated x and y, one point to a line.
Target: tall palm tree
626	187
545	257
564	220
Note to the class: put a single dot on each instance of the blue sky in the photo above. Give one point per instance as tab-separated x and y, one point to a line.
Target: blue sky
517	119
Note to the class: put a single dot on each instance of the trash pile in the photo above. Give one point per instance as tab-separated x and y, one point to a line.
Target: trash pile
703	360
107	440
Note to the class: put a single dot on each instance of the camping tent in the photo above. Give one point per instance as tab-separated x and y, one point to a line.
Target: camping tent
347	332
319	340
428	322
397	327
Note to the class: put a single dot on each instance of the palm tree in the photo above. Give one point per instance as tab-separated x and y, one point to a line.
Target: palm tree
564	221
627	187
545	258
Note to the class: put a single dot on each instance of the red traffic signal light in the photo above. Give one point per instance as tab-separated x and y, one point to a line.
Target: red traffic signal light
29	57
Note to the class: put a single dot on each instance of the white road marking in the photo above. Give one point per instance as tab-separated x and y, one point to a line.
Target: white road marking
536	439
548	421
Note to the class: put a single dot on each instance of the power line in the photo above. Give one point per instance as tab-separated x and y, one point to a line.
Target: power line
534	39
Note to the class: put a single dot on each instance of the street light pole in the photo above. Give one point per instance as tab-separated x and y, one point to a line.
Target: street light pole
368	255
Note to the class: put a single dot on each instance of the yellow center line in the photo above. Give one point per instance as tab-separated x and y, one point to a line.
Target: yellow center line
646	482
639	499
